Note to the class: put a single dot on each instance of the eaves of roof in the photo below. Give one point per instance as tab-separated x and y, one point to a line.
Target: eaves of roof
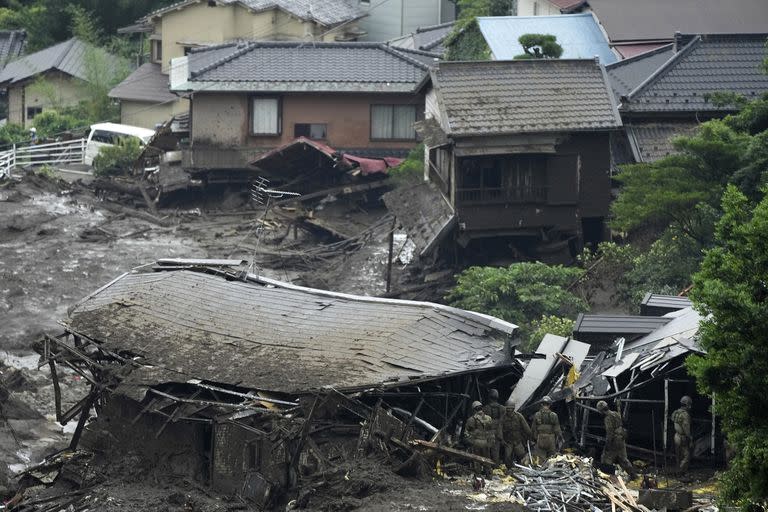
297	86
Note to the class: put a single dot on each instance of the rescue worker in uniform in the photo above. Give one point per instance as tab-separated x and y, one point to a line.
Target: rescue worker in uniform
496	411
479	433
615	449
516	434
546	430
681	419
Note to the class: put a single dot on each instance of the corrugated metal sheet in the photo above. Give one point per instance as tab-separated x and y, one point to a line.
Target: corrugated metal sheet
578	34
278	337
618	324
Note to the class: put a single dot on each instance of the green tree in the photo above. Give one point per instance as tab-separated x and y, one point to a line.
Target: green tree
731	290
539	46
521	293
465	42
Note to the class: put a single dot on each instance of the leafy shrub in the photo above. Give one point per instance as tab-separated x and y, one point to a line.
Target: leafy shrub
118	159
547	324
13	134
51	123
521	293
411	168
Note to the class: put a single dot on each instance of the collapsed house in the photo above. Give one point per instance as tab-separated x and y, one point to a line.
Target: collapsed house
643	376
251	384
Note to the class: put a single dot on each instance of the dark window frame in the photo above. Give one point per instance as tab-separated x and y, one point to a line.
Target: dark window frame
279	115
325	130
36	109
509	169
392	106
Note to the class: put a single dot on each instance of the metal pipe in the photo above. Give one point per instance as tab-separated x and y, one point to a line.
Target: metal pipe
403	412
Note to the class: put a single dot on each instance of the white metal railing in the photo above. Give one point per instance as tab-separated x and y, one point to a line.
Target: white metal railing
54	153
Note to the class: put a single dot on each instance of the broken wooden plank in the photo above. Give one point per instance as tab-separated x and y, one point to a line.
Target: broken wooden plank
336	191
453	452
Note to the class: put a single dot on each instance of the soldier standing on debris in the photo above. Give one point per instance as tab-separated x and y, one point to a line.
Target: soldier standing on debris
479	432
496	411
546	430
615	450
681	419
516	434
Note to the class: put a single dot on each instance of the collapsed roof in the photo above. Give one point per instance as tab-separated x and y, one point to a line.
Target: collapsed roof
186	321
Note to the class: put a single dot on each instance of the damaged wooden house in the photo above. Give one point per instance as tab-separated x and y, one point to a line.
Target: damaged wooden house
253	385
520	150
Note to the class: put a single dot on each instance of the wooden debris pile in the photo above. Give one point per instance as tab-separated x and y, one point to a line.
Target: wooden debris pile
564	484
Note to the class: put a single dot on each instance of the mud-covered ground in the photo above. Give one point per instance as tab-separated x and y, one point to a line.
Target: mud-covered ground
59	242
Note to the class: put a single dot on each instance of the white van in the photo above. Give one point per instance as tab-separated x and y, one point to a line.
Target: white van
107	134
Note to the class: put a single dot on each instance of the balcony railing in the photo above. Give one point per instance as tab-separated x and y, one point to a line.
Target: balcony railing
502	195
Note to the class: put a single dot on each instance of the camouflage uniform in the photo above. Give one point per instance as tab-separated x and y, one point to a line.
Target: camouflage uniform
546	430
516	433
615	450
681	419
480	434
496	411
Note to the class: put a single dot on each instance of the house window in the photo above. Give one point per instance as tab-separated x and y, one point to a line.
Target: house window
33	111
313	131
502	179
535	8
157	50
393	122
265	116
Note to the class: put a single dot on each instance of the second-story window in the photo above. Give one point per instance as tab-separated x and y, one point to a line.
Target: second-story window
316	131
265	116
393	122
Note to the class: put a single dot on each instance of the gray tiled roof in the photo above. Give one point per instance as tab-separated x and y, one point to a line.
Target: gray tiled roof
67	57
707	64
524	96
286	66
147	83
627	74
651	141
12	43
274	336
428	39
424	213
325	12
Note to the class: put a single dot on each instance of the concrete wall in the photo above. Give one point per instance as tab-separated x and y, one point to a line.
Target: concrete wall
536	8
55	91
223	119
148	114
395	18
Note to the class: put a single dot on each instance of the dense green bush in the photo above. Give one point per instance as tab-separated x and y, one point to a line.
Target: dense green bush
731	290
50	124
522	293
118	159
412	168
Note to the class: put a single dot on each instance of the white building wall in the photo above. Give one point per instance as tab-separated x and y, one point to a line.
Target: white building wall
536	8
388	19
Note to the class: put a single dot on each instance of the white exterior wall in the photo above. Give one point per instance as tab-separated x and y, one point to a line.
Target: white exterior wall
536	8
388	19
